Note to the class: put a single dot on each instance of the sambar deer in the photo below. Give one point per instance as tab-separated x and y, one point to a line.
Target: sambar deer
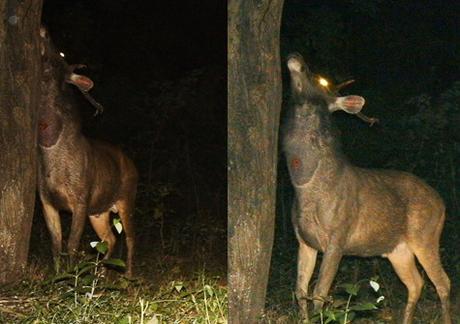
340	209
86	177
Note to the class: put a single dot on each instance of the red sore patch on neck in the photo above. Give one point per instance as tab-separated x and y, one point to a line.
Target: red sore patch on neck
296	163
42	126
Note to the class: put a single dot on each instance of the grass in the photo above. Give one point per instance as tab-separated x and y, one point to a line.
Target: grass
174	282
197	298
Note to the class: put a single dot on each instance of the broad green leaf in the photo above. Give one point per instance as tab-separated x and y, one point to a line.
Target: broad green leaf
86	269
330	316
102	247
62	277
363	307
88	279
115	262
351	289
82	265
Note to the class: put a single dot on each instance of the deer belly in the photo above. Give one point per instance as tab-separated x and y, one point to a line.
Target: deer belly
105	192
373	238
370	237
102	200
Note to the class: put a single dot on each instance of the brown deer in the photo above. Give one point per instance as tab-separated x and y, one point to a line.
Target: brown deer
86	177
340	209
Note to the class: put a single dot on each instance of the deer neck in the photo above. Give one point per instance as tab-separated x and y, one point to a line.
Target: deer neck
311	148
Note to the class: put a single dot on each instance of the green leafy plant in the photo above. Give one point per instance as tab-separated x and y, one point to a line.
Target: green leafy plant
345	310
84	277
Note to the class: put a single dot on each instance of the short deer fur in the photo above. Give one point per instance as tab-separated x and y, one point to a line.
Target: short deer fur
340	209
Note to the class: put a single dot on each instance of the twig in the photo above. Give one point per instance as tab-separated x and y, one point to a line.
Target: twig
97	105
370	120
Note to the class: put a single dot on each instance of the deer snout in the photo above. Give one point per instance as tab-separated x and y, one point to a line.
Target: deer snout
296	63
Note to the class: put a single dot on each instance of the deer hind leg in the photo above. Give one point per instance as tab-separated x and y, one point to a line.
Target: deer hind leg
305	265
125	209
426	249
403	261
101	225
431	263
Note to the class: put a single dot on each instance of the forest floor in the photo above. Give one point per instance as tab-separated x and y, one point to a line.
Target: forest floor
175	281
176	298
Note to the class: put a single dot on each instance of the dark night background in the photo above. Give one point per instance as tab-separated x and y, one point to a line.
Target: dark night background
405	58
159	69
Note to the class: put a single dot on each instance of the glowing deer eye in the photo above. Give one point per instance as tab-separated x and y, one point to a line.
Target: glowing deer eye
62	54
323	82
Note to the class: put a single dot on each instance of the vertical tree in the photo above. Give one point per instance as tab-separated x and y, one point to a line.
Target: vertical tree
19	99
254	103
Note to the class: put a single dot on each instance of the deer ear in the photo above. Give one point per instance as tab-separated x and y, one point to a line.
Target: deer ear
349	104
82	82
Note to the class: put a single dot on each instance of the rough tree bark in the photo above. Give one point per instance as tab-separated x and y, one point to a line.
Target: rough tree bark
19	98
254	103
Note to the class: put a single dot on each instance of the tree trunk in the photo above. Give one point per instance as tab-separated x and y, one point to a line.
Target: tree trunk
254	103
19	99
